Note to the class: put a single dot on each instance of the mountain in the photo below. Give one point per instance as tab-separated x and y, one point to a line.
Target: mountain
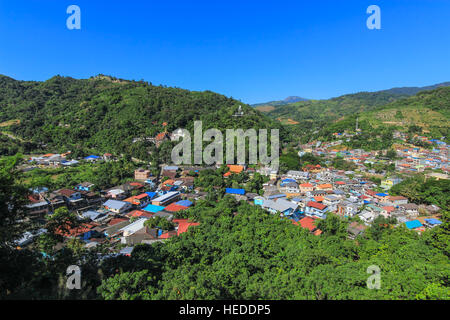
410	91
264	106
321	112
427	112
105	114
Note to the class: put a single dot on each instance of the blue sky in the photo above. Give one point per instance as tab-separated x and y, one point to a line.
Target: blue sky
254	51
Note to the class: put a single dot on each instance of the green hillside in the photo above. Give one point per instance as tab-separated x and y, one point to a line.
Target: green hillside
429	110
105	114
321	112
333	108
426	113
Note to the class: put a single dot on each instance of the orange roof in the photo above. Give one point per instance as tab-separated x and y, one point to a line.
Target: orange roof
165	235
160	136
388	208
130	200
235	168
134	198
116	221
227	174
48	155
141	196
136	184
169	182
318	198
308	223
306	185
139	213
173	207
316	205
77	231
184	226
325	186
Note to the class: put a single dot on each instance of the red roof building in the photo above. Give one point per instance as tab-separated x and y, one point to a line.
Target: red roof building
316	205
116	221
184	224
139	213
173	207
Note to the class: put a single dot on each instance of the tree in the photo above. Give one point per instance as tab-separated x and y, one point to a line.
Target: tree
127	286
159	222
12	198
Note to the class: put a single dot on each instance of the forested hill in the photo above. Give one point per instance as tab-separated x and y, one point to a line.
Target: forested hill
321	112
105	114
428	113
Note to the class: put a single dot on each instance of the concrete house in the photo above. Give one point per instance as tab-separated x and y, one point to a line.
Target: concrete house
117	206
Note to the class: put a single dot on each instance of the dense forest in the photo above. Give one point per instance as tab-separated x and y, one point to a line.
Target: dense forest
379	114
420	189
427	113
105	114
323	111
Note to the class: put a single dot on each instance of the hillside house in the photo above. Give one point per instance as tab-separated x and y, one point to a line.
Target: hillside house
142	174
117	206
397	200
306	187
297	175
331	201
316	209
166	199
281	206
85	186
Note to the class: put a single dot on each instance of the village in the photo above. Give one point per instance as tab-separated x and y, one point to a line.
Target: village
118	217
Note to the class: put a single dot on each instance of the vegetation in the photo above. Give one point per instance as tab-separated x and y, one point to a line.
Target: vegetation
420	189
238	251
104	114
322	112
290	160
255	255
103	174
379	114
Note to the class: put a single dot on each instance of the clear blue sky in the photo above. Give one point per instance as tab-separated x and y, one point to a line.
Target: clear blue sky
254	51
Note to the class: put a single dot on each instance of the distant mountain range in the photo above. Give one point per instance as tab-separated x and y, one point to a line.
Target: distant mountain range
410	91
288	100
393	93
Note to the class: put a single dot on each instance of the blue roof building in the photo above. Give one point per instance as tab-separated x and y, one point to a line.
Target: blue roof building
287	180
151	195
382	194
92	157
153	208
433	222
235	191
413	224
185	203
